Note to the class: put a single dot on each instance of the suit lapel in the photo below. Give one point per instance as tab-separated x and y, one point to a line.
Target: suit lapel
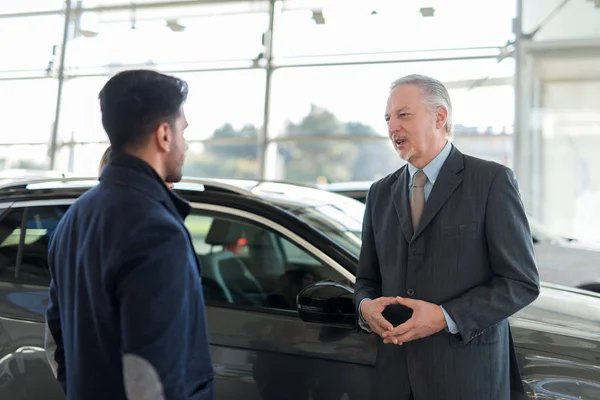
446	183
402	203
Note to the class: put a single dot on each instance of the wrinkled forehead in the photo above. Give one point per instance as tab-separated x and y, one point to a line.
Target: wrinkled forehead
406	96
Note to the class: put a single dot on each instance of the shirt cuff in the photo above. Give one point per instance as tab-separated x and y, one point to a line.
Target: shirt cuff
452	327
361	321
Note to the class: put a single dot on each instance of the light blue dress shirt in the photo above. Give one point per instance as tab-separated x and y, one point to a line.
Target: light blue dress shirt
432	170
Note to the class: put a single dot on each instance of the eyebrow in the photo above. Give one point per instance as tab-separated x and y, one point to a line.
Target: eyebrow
399	110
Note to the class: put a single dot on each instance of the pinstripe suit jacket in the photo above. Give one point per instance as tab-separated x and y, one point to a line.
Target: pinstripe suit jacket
472	253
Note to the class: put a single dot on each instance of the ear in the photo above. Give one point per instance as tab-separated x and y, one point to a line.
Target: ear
164	137
441	117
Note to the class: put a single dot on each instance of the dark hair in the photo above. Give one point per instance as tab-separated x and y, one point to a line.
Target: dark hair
135	102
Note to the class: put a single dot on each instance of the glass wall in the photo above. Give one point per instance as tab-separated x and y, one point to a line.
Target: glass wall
567	117
28	85
571	169
303	101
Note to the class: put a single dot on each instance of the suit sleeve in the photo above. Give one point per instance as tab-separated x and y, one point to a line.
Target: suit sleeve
515	282
153	292
53	342
368	275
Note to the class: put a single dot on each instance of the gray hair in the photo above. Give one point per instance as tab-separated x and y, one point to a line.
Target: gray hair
435	94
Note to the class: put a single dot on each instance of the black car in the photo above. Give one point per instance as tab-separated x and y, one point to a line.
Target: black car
279	262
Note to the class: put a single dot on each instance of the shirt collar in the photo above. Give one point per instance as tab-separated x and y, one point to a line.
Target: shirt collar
432	169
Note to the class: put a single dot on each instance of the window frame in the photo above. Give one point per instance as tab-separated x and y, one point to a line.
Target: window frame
225	211
283	232
25	206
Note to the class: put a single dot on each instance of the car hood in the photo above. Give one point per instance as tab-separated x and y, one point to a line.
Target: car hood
564	310
567	265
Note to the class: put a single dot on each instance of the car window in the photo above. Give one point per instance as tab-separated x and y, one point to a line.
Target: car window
38	223
246	263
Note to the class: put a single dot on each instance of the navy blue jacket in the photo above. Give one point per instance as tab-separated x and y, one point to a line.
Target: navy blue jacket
126	317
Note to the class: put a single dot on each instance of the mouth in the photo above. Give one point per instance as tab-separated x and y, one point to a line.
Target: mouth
399	141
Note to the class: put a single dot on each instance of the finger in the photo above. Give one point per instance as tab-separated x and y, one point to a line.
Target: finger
401	329
409	336
383	324
410	303
392	341
387	301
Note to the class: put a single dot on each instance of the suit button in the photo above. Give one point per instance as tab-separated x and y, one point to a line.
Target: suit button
410	292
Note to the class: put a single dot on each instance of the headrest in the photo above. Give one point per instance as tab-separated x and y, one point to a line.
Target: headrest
223	232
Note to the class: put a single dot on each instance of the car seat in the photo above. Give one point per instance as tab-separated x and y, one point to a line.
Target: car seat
227	269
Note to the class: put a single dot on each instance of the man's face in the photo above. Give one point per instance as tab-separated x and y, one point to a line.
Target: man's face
176	157
411	125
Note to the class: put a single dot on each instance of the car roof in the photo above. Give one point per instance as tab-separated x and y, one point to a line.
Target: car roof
346	186
282	193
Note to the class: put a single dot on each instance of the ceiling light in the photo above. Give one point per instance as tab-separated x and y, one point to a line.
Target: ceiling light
87	34
317	15
175	26
427	12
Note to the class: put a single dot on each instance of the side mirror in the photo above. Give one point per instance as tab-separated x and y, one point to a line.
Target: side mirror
327	302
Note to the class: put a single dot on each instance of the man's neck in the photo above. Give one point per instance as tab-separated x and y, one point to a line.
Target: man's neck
148	159
424	161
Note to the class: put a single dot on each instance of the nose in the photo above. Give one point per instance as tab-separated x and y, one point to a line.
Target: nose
394	125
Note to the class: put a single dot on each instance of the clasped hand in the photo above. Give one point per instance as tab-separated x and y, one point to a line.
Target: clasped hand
427	319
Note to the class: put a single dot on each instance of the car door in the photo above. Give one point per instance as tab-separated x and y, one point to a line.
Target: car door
252	270
24	232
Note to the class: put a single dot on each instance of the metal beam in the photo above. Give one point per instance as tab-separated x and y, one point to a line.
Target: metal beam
24	144
489	50
519	121
462	84
522	144
61	79
465	84
391	61
331	138
458	84
123	7
233	141
268	57
566	47
114	70
32	14
23	78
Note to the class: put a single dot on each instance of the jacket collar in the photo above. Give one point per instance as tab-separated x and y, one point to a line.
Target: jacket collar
448	180
127	170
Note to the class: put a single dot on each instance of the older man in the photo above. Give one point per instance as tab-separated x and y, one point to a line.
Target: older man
447	257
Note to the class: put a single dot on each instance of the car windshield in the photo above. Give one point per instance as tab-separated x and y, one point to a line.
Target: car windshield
340	219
